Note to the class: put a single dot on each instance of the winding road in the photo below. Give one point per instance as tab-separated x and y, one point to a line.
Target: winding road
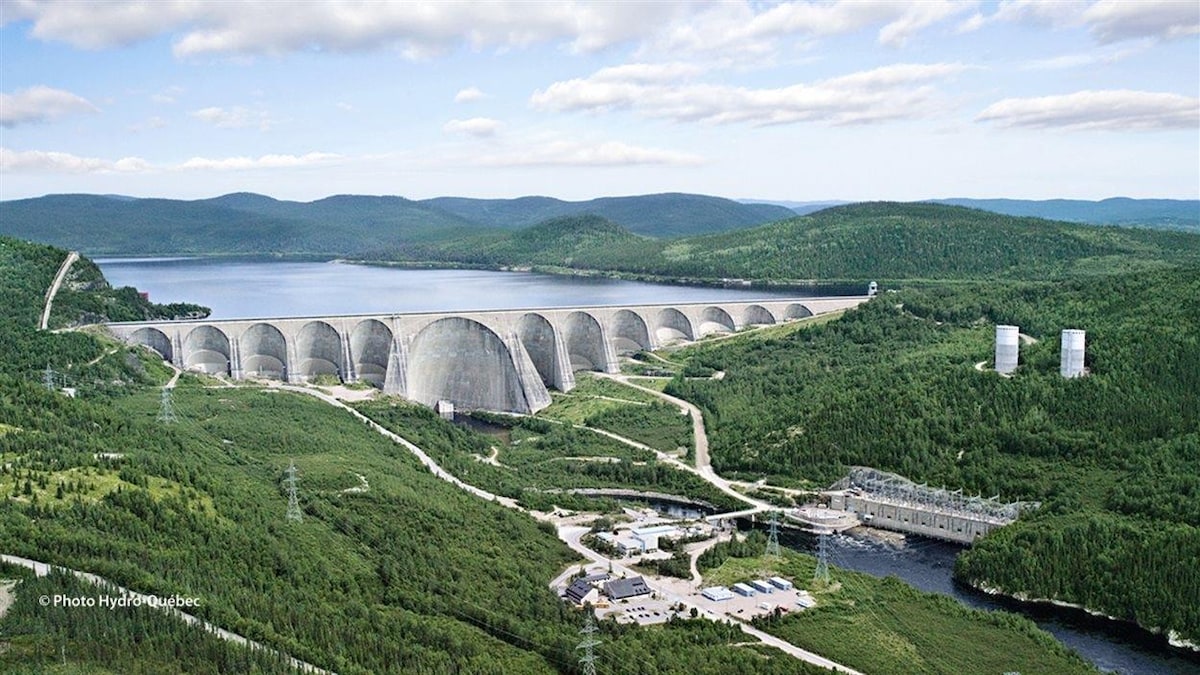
53	290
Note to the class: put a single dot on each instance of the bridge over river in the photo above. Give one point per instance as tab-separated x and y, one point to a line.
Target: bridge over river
494	360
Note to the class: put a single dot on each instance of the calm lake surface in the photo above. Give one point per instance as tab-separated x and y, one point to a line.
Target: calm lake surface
239	289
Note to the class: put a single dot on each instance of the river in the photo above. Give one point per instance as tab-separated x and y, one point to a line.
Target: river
240	289
927	564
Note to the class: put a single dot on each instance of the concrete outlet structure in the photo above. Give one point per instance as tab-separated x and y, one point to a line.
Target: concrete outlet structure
493	360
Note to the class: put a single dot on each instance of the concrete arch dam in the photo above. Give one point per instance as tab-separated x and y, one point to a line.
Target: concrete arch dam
493	360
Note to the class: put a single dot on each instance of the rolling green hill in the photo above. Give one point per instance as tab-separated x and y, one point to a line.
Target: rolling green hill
661	215
885	241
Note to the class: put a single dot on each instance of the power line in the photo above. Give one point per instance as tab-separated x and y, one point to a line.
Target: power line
589	643
293	510
821	573
773	537
166	407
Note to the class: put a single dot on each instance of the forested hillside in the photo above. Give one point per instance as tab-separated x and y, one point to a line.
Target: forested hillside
1114	456
881	241
662	215
343	225
411	575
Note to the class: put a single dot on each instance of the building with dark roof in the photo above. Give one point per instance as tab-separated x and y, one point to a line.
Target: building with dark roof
626	588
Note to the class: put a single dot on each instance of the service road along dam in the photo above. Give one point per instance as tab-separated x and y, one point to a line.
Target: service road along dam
491	360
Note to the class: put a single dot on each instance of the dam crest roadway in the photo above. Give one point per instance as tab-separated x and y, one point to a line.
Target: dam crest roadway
502	360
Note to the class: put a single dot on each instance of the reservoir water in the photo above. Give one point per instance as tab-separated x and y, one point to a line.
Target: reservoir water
239	289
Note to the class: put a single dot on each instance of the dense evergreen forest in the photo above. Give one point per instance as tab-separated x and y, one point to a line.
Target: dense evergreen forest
409	576
1114	457
885	241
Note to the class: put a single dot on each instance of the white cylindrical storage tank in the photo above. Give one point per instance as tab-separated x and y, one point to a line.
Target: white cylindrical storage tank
1008	340
1072	353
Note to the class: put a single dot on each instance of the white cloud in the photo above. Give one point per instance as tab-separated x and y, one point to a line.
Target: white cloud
1107	20
1116	110
745	29
236	117
424	29
40	104
1113	21
585	154
37	161
154	122
476	126
1081	59
167	96
469	95
263	162
890	92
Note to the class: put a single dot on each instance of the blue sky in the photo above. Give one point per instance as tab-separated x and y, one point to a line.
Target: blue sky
788	101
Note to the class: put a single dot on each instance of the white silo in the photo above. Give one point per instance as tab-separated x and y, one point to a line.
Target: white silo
1008	342
1072	353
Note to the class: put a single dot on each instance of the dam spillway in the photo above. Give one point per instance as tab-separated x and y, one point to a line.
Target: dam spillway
504	360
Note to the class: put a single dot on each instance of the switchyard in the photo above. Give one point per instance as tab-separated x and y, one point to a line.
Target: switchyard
892	502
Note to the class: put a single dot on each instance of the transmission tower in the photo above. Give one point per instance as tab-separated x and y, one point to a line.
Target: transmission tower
822	572
589	643
48	378
166	408
773	536
293	509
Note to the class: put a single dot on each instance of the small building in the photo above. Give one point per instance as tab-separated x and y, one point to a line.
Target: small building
444	409
648	537
743	589
585	590
623	545
762	586
621	589
717	593
781	583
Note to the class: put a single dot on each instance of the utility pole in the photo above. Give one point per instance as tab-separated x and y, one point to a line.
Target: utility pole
822	572
293	510
166	408
589	643
773	537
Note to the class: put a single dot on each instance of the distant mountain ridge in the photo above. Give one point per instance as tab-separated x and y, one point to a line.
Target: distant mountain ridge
341	225
671	214
1175	214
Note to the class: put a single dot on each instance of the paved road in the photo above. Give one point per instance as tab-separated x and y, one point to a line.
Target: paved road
53	290
42	569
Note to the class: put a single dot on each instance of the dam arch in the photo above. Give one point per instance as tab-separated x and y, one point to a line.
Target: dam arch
318	351
671	325
264	352
630	333
796	311
585	342
716	320
757	315
370	346
461	360
206	349
537	336
154	339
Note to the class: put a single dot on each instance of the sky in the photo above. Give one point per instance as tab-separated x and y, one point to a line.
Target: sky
801	101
